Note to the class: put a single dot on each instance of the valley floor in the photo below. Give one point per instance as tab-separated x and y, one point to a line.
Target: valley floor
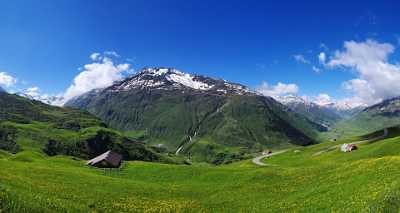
366	180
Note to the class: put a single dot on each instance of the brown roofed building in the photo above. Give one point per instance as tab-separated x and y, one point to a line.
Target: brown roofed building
109	159
348	147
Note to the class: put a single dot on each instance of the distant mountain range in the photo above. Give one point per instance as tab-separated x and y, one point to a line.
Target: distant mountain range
326	114
206	118
203	118
51	100
293	99
372	118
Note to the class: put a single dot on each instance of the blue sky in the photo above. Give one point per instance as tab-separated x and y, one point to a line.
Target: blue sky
43	43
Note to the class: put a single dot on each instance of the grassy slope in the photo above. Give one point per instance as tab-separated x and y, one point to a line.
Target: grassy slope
362	123
34	126
364	180
316	113
222	124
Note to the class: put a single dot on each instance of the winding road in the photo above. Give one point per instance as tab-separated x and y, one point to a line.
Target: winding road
385	134
257	160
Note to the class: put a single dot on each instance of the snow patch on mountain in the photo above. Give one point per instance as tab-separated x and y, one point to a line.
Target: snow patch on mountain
161	78
173	79
47	99
240	89
340	105
292	99
155	72
188	80
330	104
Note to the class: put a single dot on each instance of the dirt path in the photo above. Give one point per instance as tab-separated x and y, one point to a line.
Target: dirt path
257	160
385	133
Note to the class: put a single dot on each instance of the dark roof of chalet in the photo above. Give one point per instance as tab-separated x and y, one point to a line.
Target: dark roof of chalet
110	157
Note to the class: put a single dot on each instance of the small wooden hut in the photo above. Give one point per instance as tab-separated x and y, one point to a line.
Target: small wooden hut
348	147
109	159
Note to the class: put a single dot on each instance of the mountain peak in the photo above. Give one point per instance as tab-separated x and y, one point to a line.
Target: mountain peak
157	71
335	105
162	78
292	99
47	99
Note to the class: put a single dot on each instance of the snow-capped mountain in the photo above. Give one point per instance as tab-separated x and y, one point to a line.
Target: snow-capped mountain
173	79
324	112
51	100
325	115
179	109
339	106
373	118
387	107
291	100
159	79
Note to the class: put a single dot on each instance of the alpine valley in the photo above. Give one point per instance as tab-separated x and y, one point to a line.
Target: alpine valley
203	118
326	114
199	106
171	127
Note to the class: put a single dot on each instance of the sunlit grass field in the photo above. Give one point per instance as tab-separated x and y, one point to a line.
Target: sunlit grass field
366	180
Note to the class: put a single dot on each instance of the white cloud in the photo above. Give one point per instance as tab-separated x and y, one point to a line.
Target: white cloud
359	54
111	53
7	80
98	56
377	78
300	58
349	103
33	91
323	99
277	90
103	72
36	93
322	57
316	69
95	56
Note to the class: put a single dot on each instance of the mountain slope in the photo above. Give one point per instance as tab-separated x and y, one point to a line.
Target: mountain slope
344	110
327	113
187	113
32	125
378	116
326	116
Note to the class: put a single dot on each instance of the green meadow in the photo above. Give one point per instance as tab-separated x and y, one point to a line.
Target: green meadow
365	180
